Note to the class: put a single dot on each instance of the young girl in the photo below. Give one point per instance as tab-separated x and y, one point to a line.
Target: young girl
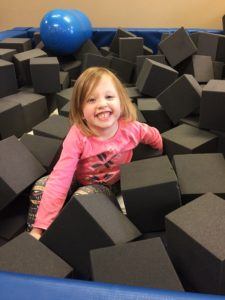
102	137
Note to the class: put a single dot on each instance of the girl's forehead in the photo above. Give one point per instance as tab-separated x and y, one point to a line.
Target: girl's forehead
104	83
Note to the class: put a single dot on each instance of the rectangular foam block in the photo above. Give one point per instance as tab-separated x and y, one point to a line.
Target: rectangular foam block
24	254
200	66
212	106
181	98
22	65
64	80
122	68
93	60
46	150
154	77
19	44
199	174
142	263
212	45
189	139
34	107
11	118
7	54
45	75
154	113
143	151
218	69
196	241
19	169
84	224
177	47
73	67
8	82
149	198
54	127
87	47
65	110
114	46
64	97
130	48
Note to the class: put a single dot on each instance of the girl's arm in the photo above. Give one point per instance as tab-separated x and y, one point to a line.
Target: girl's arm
151	136
58	184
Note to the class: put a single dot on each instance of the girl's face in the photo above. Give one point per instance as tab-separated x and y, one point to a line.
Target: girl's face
102	109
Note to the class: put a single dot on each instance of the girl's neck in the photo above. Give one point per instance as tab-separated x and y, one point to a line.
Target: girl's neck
107	133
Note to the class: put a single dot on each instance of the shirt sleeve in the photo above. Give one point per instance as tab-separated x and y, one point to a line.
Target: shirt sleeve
59	181
150	135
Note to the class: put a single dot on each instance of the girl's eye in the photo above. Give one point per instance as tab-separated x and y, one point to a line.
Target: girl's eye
91	100
109	97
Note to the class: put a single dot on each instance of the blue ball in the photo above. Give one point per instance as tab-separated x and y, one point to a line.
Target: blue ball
64	31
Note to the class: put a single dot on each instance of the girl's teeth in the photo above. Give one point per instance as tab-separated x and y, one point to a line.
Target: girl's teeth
103	115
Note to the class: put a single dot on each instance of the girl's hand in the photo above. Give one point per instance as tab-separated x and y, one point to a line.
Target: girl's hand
36	233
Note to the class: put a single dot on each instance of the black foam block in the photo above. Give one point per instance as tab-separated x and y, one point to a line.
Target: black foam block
13	218
140	116
154	113
192	120
45	74
22	64
51	100
212	106
65	110
200	173
147	197
45	149
154	77
189	139
87	222
212	45
142	263
218	69
181	98
114	46
196	241
19	44
19	169
24	254
7	54
73	67
94	60
8	82
200	66
130	48
221	144
177	47
141	58
64	80
34	107
87	47
143	151
133	93
123	68
11	118
64	97
54	127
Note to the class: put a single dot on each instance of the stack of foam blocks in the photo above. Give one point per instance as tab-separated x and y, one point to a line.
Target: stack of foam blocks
171	232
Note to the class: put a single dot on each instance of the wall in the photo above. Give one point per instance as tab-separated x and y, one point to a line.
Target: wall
125	13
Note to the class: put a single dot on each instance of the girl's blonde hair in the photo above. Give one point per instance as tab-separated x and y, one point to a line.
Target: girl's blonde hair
84	86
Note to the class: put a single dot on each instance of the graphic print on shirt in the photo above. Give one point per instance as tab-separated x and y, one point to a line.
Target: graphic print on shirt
101	167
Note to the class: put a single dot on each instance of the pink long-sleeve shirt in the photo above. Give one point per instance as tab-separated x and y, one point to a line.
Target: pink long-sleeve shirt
91	160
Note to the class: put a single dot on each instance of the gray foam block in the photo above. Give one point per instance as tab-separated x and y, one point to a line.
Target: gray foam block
87	47
24	254
188	139
200	173
7	54
218	69
154	77
22	65
19	169
87	222
154	113
45	74
54	127
64	80
19	44
149	198
64	97
181	98
143	263
130	48
45	149
212	106
73	67
34	107
123	68
94	60
177	47
196	241
114	46
8	82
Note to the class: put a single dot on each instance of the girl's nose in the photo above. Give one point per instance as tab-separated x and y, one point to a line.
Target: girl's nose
102	102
